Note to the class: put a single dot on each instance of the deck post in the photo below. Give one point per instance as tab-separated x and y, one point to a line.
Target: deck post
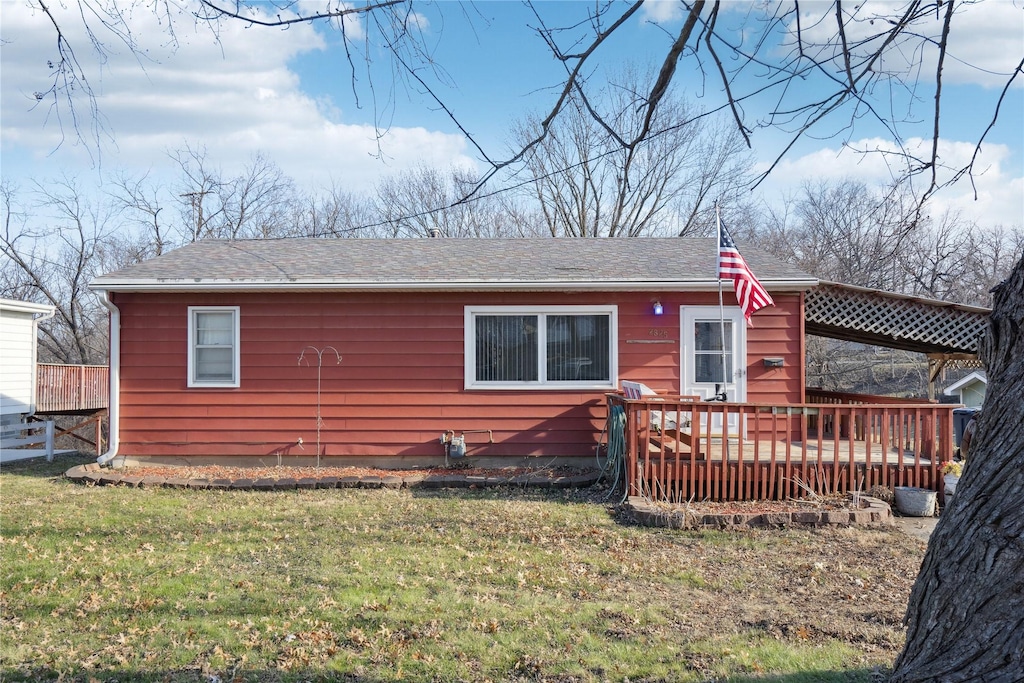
49	440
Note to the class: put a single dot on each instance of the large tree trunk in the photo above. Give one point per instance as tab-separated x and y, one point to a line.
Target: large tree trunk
965	619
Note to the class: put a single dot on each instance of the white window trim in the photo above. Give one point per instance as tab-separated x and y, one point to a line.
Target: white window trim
236	346
469	353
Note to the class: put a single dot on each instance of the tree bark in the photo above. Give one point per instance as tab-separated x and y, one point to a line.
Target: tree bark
965	618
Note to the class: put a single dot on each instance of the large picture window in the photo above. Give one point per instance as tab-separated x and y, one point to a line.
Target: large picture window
213	353
547	348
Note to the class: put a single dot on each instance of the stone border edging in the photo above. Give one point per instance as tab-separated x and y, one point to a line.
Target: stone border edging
646	513
91	473
639	510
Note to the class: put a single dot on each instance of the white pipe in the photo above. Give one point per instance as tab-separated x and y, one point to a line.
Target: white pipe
113	408
46	315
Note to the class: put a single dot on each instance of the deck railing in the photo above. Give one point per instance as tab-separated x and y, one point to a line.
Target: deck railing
677	450
823	396
71	388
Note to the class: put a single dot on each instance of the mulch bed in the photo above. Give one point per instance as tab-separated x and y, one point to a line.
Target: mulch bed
212	472
829	510
289	477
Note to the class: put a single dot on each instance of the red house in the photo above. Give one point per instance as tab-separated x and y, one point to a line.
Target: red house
229	350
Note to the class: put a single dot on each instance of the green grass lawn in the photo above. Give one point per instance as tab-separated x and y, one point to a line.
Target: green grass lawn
114	583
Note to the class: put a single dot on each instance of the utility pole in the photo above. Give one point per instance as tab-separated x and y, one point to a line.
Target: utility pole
196	199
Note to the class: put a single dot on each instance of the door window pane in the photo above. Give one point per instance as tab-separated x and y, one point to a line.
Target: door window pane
708	351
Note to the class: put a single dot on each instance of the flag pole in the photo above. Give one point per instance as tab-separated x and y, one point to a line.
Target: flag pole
721	304
721	323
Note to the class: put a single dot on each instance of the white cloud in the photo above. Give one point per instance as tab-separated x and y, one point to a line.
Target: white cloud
417	21
999	186
233	94
984	44
662	10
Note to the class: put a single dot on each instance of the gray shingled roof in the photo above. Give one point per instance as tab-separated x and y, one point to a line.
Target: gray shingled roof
442	263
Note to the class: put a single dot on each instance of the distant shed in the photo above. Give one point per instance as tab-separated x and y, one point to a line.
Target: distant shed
18	332
19	327
970	389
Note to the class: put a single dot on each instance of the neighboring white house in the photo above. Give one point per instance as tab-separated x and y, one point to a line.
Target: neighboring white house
970	390
18	333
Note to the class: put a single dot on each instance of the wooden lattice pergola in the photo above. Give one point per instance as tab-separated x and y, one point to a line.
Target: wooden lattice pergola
947	333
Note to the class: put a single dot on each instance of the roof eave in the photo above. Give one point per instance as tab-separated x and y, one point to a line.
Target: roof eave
25	306
201	285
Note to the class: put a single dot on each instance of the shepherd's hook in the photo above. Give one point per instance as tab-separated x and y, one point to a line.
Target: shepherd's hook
319	367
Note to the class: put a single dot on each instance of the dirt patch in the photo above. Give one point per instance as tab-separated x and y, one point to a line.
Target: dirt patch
211	472
811	511
289	477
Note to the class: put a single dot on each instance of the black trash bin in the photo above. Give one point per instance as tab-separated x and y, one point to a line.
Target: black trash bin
961	416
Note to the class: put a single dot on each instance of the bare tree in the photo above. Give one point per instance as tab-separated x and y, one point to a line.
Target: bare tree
55	266
332	213
257	202
838	231
935	263
140	203
198	195
588	185
254	204
845	232
989	256
426	201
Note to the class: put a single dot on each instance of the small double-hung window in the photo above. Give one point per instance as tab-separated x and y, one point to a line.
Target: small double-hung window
213	353
551	347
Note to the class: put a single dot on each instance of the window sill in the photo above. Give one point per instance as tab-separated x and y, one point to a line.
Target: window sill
563	386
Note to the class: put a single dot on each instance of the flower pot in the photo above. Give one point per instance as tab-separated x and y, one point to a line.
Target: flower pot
950	481
915	502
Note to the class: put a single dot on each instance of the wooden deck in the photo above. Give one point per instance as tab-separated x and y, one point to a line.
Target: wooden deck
786	451
77	394
71	389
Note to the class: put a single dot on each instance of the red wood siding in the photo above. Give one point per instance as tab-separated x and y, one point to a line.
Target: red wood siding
400	384
777	332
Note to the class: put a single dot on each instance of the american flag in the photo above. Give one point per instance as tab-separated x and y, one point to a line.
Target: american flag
750	294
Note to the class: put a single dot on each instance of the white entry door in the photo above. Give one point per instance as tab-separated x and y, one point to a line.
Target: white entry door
708	367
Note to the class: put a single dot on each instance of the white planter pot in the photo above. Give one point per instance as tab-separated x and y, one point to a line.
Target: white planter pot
915	502
951	481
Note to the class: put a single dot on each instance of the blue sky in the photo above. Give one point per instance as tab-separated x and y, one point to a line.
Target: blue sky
288	95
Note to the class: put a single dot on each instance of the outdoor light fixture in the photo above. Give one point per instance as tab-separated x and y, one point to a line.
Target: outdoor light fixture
658	308
773	362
